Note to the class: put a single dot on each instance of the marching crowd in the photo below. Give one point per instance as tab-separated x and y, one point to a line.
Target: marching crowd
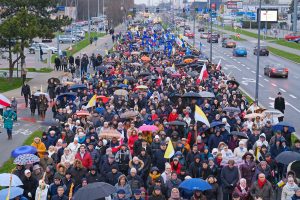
100	134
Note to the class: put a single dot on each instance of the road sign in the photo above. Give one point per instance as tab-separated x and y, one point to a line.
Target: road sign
234	5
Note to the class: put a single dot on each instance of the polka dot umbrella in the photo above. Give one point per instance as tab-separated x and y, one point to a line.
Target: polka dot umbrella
26	159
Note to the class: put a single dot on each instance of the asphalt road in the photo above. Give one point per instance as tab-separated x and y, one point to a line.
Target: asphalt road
244	71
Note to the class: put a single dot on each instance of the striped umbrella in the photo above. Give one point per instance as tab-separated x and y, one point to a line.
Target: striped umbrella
4	101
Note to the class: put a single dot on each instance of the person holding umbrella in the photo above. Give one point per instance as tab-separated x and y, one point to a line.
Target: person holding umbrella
279	104
9	116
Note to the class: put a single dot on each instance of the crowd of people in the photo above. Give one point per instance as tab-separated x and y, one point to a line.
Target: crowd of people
98	136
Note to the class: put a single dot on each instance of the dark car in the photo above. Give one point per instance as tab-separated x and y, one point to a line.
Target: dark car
213	38
225	37
276	71
201	29
263	51
228	43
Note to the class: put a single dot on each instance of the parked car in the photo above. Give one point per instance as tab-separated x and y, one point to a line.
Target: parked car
263	51
189	34
204	35
297	40
46	40
276	70
292	36
35	47
214	38
66	39
201	29
229	43
239	51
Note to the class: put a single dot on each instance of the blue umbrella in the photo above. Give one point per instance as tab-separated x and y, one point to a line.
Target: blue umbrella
214	124
69	95
280	125
195	184
122	85
14	192
23	150
5	179
77	87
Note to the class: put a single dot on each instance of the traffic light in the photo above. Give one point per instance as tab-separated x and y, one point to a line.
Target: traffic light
157	10
146	10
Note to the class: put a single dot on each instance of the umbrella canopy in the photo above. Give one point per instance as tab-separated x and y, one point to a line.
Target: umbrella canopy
13	193
55	80
143	87
4	101
233	82
273	113
214	124
129	78
151	128
287	157
175	75
50	122
142	74
5	179
104	99
176	123
253	115
191	95
77	87
188	60
26	159
231	109
109	134
82	113
69	95
151	77
280	125
240	135
129	114
102	68
122	85
94	191
193	74
37	94
206	94
121	92
195	184
23	150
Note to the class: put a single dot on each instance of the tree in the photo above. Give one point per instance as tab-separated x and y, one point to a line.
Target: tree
24	20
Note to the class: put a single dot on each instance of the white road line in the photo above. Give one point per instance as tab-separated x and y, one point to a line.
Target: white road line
266	80
260	76
293	96
274	84
261	85
253	72
230	57
243	65
248	67
234	59
282	90
239	62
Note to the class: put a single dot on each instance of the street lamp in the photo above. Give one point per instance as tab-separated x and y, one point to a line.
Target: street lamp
194	24
89	21
257	54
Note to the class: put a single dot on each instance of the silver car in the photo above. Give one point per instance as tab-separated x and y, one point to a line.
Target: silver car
35	47
66	39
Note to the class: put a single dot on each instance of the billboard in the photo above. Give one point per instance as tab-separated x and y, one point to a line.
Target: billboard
268	15
234	5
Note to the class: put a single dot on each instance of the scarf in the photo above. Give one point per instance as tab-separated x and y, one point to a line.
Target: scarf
219	160
261	183
154	177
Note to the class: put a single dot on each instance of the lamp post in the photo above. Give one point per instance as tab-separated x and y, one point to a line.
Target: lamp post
194	25
258	52
295	17
89	21
210	46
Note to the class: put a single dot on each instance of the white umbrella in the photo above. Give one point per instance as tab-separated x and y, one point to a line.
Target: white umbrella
5	180
37	94
273	112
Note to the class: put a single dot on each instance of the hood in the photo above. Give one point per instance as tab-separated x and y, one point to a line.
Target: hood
122	177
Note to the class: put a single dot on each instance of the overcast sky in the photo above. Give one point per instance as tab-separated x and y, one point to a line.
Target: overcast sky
146	1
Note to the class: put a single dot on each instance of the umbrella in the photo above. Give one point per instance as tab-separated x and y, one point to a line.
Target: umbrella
68	95
104	99
144	74
273	112
55	80
287	157
206	94
170	70
189	56
122	85
280	125
188	60
23	150
121	92
214	124
77	87
129	78
5	180
108	134
150	77
102	68
129	114
94	191
193	74
51	122
176	123
26	159
253	115
191	95
143	87
231	109
233	82
195	184
82	113
37	94
240	135
13	192
4	101
175	75
151	128
295	166
69	83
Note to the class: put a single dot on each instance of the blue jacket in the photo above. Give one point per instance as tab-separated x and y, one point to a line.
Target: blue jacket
9	116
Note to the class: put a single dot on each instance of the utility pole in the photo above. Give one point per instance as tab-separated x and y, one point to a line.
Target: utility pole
89	20
98	13
194	25
295	17
258	52
103	7
210	48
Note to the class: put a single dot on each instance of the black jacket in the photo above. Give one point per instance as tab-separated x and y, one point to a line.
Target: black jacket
29	185
56	197
279	104
25	90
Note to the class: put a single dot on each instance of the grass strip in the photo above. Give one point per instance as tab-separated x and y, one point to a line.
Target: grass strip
292	45
284	54
32	69
10	84
9	165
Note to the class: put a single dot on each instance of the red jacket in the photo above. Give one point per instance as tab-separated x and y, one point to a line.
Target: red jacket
131	141
177	170
87	161
172	117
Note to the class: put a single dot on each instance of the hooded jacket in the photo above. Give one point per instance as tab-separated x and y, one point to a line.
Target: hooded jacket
126	187
40	147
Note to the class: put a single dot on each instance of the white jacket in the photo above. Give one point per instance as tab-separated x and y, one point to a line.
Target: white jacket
43	195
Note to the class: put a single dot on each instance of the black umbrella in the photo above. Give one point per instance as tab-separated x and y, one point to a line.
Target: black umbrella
94	191
176	123
150	77
189	56
181	64
287	157
231	109
142	74
233	82
129	78
55	80
240	135
50	123
193	74
191	95
206	94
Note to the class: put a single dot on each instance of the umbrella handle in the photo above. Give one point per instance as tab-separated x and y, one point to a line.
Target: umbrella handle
10	182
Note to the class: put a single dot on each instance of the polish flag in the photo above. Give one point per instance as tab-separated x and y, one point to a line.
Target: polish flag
203	74
219	65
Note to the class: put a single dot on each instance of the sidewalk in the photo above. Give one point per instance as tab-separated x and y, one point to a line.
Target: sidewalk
277	46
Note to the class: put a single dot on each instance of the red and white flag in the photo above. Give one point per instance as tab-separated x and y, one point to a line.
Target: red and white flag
219	65
159	82
203	74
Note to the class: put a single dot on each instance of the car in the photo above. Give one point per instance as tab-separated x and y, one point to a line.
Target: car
35	47
263	51
201	29
225	37
214	38
204	35
189	34
239	51
229	43
297	40
66	39
46	40
292	36
276	70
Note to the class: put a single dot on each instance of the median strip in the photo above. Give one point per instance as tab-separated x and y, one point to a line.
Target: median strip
290	56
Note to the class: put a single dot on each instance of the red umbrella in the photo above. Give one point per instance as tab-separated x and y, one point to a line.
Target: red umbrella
176	75
151	128
4	101
82	113
103	98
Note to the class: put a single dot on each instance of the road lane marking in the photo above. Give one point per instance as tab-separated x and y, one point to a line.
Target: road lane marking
260	76
248	67
274	84
243	65
266	80
239	62
293	96
234	59
282	90
253	72
230	56
261	85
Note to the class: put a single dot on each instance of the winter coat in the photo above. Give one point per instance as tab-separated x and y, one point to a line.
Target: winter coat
40	147
288	192
126	188
212	194
243	196
155	197
229	178
214	141
86	160
194	169
78	174
247	171
266	172
159	160
42	193
29	185
135	182
139	167
9	116
25	90
92	178
56	197
123	158
172	184
266	192
113	178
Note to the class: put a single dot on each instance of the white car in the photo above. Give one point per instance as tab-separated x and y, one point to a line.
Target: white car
35	47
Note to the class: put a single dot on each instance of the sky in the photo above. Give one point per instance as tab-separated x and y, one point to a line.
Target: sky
146	1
